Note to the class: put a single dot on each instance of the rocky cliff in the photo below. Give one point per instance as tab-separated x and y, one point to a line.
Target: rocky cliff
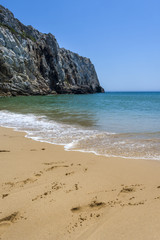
32	63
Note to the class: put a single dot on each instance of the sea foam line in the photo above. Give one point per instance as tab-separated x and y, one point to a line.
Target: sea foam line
39	128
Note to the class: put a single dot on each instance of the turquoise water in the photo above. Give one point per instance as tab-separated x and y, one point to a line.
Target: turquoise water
111	124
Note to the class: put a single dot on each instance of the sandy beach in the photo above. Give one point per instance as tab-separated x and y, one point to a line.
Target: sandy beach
47	193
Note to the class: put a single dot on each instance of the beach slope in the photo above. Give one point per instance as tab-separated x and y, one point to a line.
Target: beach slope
48	193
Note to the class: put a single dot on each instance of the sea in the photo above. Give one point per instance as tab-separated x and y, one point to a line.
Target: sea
117	124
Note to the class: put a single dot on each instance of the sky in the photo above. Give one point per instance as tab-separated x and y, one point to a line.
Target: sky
121	37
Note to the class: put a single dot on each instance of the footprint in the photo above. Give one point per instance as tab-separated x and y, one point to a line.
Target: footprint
85	215
37	175
20	183
42	195
51	163
28	180
4	151
53	167
127	190
9	218
6	221
55	186
4	195
76	209
93	205
76	186
10	184
96	204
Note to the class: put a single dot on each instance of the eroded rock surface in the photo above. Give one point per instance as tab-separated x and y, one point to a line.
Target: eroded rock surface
32	63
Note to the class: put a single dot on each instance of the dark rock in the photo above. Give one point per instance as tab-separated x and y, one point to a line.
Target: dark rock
32	63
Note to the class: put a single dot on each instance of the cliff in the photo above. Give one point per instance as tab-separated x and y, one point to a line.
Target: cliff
32	63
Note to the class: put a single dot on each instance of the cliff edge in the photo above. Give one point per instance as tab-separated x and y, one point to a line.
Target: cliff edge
32	63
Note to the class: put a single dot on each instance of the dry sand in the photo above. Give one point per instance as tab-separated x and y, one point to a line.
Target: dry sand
47	193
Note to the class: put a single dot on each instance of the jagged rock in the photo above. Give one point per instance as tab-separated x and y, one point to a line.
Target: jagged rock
32	63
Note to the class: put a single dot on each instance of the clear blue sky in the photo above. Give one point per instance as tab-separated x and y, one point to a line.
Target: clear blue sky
121	37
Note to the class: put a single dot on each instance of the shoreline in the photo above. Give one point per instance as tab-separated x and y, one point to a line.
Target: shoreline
50	193
78	150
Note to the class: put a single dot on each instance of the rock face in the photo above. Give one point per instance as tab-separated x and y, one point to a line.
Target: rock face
32	63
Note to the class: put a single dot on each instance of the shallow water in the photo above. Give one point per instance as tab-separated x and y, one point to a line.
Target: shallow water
112	124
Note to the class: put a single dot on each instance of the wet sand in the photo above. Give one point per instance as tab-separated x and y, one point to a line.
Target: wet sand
47	193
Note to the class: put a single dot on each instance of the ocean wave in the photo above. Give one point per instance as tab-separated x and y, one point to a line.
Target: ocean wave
41	128
74	138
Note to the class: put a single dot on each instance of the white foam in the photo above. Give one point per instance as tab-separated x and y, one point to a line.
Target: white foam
42	129
74	138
